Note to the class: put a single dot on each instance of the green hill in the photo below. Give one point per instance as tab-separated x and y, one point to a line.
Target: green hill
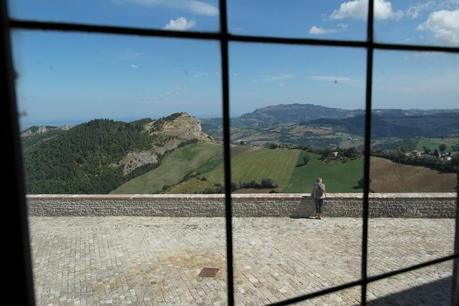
100	155
80	160
337	175
174	167
279	165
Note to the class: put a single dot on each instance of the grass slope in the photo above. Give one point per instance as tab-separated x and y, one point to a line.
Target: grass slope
277	164
215	166
387	176
433	143
192	185
174	167
338	176
280	166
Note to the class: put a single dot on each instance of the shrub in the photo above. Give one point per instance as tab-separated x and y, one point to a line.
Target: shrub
304	161
268	183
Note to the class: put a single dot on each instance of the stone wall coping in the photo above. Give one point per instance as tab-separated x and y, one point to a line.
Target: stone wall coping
446	195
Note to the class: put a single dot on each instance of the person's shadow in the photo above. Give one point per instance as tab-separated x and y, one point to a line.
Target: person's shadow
305	209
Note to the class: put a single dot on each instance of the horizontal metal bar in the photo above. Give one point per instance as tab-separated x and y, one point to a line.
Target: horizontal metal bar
103	29
120	30
318	293
428	48
369	280
297	41
412	268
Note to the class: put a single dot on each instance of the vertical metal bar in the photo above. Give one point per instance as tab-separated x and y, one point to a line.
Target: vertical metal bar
227	150
16	210
367	151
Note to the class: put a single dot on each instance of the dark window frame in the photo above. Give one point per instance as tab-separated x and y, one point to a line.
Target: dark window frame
15	174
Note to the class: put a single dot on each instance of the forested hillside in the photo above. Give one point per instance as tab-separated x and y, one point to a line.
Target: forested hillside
81	159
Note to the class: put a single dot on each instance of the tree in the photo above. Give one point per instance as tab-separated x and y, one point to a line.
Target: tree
427	150
268	183
351	152
304	161
442	147
325	154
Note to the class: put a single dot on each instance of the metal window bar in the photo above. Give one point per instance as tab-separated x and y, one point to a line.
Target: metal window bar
16	209
224	37
227	150
366	156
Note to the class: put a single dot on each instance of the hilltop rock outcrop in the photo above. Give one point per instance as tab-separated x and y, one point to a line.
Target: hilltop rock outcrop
170	132
42	129
178	125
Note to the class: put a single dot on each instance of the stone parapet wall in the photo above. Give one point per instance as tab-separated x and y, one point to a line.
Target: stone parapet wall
404	205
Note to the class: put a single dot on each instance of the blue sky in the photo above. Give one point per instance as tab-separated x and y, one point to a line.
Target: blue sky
67	77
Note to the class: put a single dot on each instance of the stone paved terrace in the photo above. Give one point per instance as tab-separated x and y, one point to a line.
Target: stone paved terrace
156	260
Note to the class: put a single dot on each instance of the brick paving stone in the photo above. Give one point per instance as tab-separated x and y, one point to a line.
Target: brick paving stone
156	260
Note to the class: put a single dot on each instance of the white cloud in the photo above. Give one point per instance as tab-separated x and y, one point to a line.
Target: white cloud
330	78
202	8
133	66
318	30
279	77
191	6
443	24
358	9
180	24
415	10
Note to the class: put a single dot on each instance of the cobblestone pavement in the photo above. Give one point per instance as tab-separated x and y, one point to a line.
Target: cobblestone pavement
157	261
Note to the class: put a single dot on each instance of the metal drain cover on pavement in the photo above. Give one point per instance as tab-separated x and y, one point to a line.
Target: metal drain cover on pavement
208	272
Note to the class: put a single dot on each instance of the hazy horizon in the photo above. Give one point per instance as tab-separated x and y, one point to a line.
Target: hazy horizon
25	124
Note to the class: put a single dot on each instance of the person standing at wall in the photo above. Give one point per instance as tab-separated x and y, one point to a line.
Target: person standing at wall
318	194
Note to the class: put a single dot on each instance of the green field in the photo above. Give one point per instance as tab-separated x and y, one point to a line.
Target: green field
247	165
174	167
280	166
199	167
192	185
277	164
338	176
433	143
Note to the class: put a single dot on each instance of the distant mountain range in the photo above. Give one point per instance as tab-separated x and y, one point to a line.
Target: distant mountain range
404	126
298	121
386	122
295	113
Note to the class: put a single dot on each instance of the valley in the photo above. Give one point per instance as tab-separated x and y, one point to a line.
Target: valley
280	148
